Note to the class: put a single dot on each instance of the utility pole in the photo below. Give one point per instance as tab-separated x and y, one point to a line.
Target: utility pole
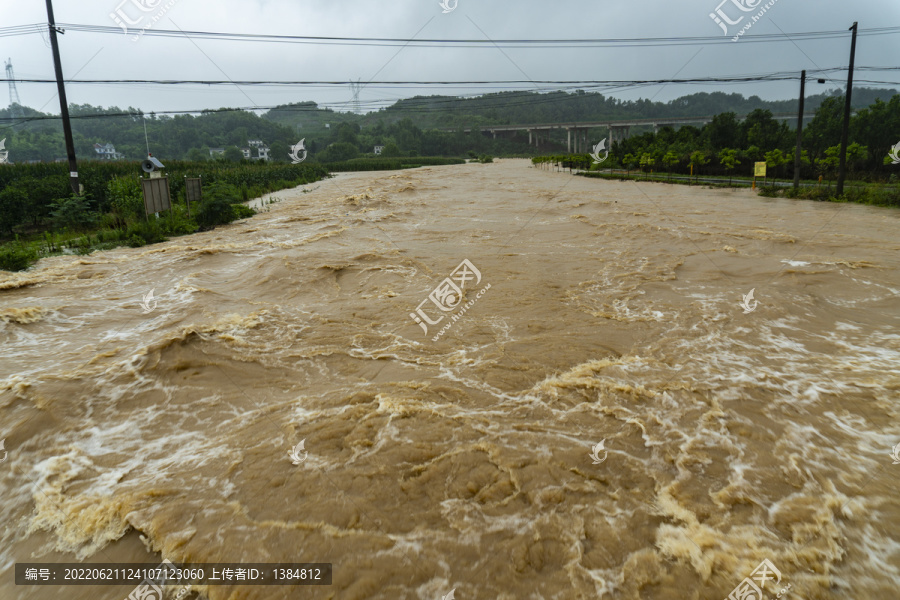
63	103
846	130
799	130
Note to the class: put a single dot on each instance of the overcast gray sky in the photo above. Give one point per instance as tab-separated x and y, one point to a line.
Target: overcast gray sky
105	56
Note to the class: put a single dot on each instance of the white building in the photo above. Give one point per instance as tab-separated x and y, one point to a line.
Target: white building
378	149
262	150
107	152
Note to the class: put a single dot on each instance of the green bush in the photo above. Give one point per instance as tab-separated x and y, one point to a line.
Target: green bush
177	223
389	164
217	207
125	199
390	150
44	182
338	152
242	211
13	201
148	232
73	213
16	257
136	241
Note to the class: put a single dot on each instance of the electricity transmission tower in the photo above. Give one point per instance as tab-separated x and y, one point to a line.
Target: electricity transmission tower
355	87
14	102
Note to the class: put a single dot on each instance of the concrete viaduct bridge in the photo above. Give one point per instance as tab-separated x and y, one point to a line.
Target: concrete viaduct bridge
618	130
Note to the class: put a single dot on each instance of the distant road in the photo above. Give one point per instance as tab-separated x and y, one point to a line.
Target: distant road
735	182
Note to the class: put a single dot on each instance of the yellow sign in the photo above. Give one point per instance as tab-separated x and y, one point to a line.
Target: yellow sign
760	169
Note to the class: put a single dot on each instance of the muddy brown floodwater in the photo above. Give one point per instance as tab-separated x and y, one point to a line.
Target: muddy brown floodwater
590	311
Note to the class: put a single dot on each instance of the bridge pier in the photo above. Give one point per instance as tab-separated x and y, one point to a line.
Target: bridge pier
569	140
618	133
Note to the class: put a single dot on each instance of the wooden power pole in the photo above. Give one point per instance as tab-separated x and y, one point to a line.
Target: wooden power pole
63	103
799	130
845	132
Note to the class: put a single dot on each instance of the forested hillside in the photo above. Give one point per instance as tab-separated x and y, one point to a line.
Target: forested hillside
407	128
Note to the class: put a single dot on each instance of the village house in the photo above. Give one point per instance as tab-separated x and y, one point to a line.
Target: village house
262	150
107	152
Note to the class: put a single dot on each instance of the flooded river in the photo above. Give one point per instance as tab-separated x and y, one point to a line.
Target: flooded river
510	383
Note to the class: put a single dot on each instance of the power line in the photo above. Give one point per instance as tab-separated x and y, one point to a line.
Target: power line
778	76
508	99
459	43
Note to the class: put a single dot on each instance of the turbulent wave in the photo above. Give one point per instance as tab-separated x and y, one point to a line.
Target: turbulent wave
139	432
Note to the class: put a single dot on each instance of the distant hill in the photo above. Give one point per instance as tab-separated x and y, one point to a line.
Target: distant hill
438	112
35	136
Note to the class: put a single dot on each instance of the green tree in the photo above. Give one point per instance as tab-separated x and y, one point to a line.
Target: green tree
647	161
753	154
630	161
776	159
877	127
338	152
390	150
13	201
723	131
279	151
233	154
126	200
761	129
348	133
197	155
829	163
728	159
825	129
670	159
216	206
856	154
698	159
73	213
